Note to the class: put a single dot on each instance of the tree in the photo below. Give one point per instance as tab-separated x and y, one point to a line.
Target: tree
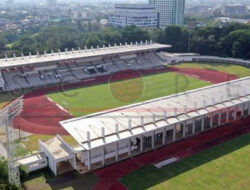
111	36
158	35
133	34
92	40
177	36
237	44
4	184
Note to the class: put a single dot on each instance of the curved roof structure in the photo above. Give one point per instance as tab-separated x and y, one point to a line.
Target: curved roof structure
79	54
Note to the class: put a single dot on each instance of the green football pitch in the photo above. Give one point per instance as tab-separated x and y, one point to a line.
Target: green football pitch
83	101
223	167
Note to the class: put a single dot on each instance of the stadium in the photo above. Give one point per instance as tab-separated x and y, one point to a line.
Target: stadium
141	127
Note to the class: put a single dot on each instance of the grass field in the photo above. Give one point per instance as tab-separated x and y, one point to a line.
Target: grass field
44	180
224	167
31	142
239	71
97	98
92	99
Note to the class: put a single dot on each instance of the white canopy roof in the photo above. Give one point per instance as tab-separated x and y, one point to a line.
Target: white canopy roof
77	54
113	125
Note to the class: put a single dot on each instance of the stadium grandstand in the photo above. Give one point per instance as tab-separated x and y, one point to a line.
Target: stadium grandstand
114	135
77	65
111	136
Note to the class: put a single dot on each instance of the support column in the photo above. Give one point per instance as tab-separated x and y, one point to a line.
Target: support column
235	113
203	123
153	141
242	111
211	120
103	156
219	119
129	148
174	134
193	127
228	114
164	136
141	145
184	130
89	160
116	151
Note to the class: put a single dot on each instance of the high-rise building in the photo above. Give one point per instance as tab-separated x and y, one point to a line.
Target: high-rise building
170	11
141	15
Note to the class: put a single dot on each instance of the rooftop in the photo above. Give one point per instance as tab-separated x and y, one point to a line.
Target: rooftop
79	54
58	148
32	159
113	125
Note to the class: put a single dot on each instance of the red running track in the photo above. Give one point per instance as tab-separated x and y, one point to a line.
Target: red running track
109	176
41	116
212	76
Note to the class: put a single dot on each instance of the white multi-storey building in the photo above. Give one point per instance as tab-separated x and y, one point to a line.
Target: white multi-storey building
141	15
234	9
170	11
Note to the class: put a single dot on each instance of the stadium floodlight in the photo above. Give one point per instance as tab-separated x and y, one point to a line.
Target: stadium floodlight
6	120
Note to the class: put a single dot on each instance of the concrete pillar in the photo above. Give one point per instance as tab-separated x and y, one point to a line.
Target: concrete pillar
103	156
242	106
141	145
203	123
129	148
193	127
164	136
220	117
211	120
153	141
184	130
235	112
227	116
89	160
55	168
116	151
174	133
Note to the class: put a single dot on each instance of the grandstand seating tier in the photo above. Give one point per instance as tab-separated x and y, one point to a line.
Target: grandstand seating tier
72	71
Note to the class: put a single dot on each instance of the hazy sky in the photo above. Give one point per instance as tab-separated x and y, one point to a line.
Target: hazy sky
145	1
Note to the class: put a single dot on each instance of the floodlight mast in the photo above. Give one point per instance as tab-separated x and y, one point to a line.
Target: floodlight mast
6	120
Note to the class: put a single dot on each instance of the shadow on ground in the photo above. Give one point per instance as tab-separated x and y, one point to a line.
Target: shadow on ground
150	176
45	180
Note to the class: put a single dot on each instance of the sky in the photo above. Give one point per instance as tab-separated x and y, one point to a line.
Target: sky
141	1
